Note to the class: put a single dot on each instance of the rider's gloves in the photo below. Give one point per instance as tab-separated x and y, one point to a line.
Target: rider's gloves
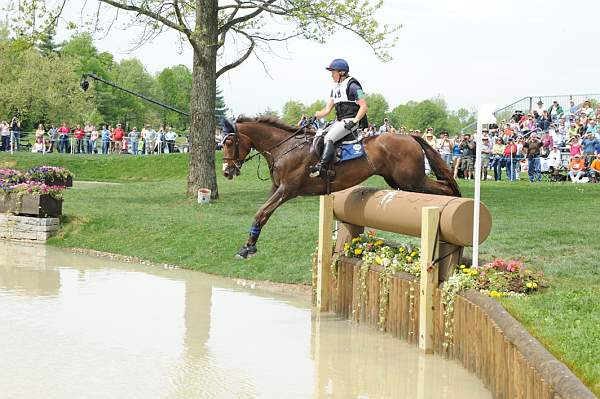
349	125
312	120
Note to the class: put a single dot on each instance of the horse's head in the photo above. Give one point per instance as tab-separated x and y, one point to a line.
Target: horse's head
236	147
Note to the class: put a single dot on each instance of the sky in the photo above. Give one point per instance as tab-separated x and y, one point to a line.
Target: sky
468	52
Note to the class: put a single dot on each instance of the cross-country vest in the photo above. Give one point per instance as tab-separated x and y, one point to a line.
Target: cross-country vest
345	102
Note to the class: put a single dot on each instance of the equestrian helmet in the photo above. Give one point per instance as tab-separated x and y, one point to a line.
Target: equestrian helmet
338	65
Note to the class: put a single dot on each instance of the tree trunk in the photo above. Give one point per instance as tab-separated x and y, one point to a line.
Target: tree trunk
201	172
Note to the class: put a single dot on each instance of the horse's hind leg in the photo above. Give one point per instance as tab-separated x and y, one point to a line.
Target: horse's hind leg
439	187
277	198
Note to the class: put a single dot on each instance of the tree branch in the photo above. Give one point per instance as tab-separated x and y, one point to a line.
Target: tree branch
147	13
242	58
243	18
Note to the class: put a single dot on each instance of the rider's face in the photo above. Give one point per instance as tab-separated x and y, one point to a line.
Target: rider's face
335	75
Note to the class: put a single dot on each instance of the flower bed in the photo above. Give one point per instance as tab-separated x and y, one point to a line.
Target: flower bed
51	175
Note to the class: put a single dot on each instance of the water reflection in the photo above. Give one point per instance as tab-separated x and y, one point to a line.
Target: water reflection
88	327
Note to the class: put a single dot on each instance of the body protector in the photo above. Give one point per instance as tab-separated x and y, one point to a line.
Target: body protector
345	94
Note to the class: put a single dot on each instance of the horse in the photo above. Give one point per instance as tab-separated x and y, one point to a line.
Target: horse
399	159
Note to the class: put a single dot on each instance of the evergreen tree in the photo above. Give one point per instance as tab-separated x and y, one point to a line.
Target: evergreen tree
220	107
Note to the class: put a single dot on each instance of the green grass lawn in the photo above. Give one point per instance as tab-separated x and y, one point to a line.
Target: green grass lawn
550	226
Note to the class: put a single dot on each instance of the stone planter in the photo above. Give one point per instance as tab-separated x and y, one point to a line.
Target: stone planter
31	204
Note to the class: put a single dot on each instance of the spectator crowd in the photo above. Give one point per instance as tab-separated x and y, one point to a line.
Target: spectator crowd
90	139
561	143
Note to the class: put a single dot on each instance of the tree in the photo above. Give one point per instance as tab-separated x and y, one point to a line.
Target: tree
210	26
378	108
41	89
220	107
292	112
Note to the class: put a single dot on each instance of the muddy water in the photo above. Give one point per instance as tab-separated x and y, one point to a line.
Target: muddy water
75	326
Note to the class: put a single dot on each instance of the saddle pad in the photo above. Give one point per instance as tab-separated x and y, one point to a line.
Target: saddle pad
351	151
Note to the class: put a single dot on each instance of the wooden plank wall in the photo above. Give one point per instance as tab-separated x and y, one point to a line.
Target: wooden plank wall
479	344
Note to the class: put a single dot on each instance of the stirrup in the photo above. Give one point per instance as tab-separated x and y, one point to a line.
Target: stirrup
316	170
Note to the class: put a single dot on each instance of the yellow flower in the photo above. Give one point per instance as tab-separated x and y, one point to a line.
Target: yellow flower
355	239
473	272
529	285
346	246
494	294
462	266
409	259
402	250
379	242
534	284
413	253
378	260
465	271
358	251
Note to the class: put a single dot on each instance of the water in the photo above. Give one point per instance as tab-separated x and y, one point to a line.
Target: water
76	326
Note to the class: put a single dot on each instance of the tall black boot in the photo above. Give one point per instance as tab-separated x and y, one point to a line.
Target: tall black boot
320	169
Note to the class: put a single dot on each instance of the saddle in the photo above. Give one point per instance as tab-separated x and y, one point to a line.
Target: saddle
346	149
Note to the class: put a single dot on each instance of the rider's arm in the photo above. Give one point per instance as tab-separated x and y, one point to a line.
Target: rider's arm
362	111
325	111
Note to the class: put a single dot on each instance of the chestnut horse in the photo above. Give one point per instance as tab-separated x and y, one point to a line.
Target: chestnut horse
399	159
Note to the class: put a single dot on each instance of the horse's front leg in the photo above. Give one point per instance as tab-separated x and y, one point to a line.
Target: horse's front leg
260	219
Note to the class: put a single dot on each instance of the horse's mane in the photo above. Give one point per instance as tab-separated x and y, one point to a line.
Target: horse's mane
269	120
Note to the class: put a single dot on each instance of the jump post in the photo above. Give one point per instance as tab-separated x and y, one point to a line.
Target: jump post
445	225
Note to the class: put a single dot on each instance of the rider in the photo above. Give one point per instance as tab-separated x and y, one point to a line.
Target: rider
348	99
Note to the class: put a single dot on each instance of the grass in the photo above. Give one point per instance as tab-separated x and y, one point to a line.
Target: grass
550	226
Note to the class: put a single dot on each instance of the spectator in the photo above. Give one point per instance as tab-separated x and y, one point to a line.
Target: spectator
541	108
533	148
303	121
574	147
498	158
5	135
592	128
586	109
576	169
554	158
63	137
79	136
134	137
88	128
595	169
124	145
456	155
528	124
510	158
38	146
105	139
39	132
572	108
15	128
53	134
556	111
117	136
544	121
149	140
93	139
547	140
467	148
170	138
160	140
430	138
402	130
444	146
486	152
386	127
588	144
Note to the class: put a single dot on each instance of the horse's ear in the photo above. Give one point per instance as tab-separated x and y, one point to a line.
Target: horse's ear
228	127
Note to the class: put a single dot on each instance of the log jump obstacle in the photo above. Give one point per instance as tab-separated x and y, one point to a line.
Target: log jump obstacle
444	223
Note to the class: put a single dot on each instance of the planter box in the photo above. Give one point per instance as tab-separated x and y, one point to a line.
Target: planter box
31	204
59	181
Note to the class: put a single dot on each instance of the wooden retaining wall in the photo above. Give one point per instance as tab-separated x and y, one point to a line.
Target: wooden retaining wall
487	340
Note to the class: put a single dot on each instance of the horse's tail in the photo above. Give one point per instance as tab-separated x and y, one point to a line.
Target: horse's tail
438	165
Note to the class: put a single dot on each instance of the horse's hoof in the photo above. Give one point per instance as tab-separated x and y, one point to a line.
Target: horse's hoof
246	252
